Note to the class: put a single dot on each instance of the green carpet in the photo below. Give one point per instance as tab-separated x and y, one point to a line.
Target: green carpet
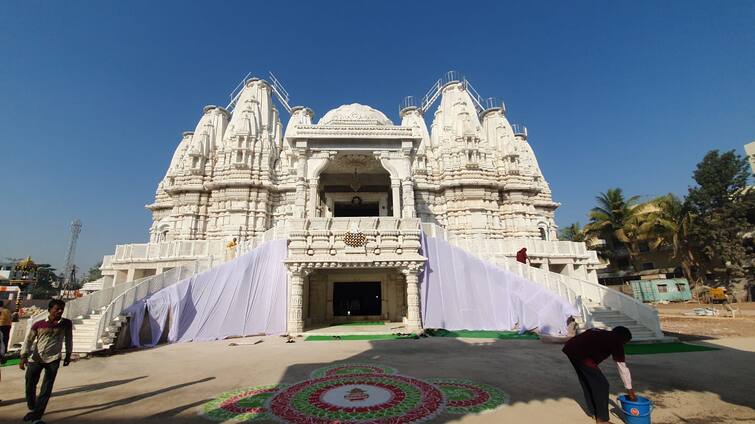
482	334
651	348
357	337
11	362
361	323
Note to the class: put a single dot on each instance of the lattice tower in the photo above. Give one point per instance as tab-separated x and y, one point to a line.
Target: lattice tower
68	273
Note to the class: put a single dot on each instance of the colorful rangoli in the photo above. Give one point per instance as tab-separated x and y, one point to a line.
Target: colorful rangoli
355	393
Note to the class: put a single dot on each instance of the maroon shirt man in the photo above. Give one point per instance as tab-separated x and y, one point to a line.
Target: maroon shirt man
585	352
521	255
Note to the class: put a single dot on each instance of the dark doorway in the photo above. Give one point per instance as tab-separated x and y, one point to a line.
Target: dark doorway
351	209
354	299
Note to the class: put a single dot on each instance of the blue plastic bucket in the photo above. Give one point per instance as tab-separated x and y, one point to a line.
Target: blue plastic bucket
636	412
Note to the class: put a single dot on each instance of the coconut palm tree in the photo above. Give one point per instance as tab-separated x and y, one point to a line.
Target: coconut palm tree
668	224
615	220
573	232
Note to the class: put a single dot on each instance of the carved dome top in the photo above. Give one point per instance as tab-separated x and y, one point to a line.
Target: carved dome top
354	114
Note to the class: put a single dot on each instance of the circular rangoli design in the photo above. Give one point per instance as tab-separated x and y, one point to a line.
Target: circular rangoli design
465	396
241	405
358	398
351	368
355	393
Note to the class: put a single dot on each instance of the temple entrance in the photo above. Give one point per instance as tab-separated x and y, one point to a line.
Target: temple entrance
339	296
356	208
357	299
354	185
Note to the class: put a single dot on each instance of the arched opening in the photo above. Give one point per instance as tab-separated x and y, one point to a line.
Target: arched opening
543	234
162	232
354	185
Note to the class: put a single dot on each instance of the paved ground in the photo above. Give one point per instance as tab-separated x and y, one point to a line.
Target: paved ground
168	383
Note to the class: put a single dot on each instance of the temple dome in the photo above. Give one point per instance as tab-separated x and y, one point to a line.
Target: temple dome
354	114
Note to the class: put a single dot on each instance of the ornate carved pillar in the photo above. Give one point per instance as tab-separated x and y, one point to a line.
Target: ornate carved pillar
312	198
396	197
409	210
413	317
300	203
296	301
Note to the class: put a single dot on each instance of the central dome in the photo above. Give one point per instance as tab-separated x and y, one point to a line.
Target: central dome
354	114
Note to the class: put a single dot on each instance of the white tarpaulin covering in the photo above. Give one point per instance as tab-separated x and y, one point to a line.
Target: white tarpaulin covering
242	297
462	292
247	296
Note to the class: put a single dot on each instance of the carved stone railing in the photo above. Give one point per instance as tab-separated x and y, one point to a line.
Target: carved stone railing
384	238
167	250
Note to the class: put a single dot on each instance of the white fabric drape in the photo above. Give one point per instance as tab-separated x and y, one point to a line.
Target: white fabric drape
242	297
462	292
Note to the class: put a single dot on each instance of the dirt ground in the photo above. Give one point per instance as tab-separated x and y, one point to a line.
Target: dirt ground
169	383
689	327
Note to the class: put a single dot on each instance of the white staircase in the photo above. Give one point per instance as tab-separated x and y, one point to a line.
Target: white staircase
606	318
85	333
97	316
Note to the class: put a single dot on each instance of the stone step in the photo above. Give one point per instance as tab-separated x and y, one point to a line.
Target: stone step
615	323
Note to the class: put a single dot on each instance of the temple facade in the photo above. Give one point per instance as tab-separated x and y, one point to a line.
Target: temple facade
351	192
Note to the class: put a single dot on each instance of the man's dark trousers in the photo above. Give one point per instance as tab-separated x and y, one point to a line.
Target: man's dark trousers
38	404
5	329
595	386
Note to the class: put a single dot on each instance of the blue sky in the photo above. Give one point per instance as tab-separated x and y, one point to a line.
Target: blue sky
94	95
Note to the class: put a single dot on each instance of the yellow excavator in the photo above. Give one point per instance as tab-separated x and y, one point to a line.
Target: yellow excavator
711	294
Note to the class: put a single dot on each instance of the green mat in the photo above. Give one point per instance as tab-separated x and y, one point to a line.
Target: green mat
11	362
357	337
483	334
361	323
651	348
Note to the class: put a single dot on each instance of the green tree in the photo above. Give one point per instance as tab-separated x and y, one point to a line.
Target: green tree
47	284
94	273
611	220
719	206
572	232
668	224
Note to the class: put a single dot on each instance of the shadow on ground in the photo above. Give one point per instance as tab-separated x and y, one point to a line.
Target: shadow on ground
528	371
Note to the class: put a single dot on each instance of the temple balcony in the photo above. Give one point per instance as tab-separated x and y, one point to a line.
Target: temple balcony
382	241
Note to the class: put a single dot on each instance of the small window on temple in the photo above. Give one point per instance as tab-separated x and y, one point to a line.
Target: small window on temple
542	234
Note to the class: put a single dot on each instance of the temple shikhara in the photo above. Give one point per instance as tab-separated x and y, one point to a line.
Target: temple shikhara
353	193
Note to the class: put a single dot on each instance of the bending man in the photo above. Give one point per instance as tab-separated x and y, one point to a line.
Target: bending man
586	351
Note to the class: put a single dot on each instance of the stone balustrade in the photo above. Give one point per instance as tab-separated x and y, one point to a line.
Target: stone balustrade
384	239
167	250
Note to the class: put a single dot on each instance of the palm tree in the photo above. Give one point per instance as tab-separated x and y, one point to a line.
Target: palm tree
573	232
617	221
668	224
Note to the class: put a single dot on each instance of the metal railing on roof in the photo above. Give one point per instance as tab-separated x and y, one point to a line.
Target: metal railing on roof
236	92
519	129
435	90
280	92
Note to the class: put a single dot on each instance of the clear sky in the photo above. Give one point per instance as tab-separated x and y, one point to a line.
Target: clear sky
94	95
